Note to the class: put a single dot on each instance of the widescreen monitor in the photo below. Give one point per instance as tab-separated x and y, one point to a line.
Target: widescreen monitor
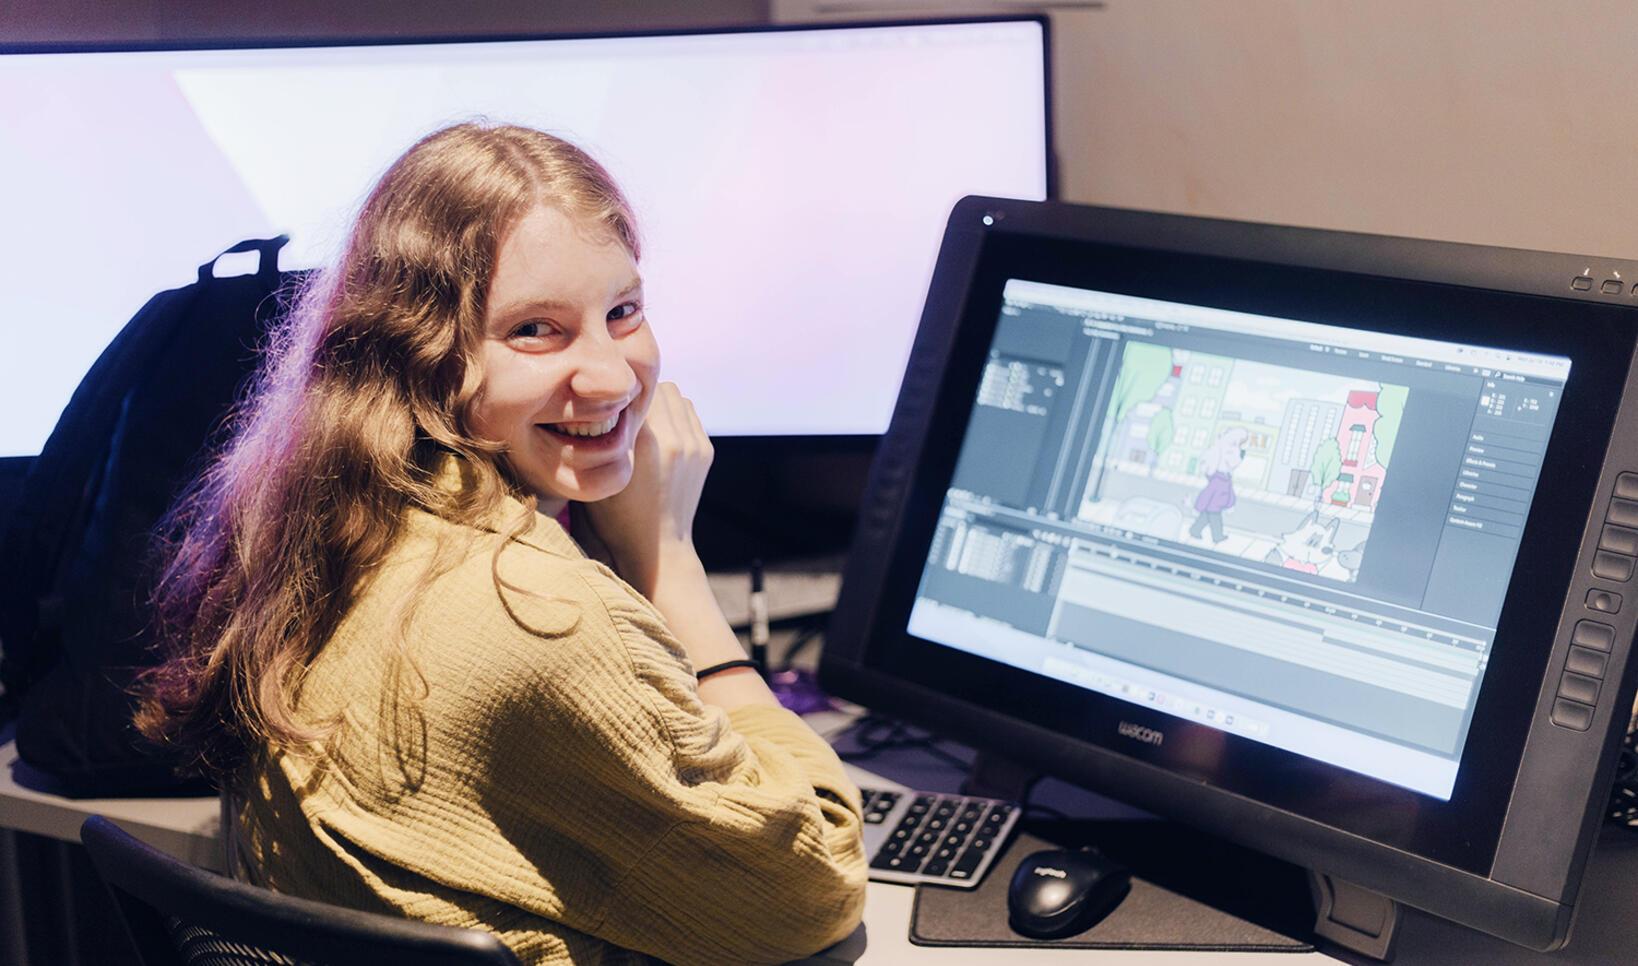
791	185
1323	542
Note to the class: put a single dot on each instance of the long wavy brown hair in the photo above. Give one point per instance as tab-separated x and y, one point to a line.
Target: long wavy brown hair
364	392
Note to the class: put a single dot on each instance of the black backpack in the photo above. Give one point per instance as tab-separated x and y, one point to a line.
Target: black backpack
75	565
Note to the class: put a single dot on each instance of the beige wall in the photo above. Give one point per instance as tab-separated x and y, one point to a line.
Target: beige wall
1502	122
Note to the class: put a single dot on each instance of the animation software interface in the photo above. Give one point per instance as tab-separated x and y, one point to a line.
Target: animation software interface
1294	532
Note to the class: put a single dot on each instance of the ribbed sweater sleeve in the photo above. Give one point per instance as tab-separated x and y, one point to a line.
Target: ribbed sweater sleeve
764	863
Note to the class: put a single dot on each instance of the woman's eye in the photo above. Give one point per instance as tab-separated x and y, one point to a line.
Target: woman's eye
532	330
624	312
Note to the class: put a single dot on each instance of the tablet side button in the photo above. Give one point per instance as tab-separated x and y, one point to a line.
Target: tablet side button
1569	714
1619	539
1599	637
1606	601
1577	687
1626	486
1623	512
1612	566
1585	660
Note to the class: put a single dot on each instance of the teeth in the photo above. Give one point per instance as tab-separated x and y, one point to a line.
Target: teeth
585	429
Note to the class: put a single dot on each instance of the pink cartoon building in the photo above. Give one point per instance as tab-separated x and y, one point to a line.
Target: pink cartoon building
1360	481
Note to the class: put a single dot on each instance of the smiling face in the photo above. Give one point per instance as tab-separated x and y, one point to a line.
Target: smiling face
568	360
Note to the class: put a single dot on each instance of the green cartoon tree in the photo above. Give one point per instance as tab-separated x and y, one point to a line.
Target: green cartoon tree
1326	465
1144	368
1161	431
1390	411
1143	371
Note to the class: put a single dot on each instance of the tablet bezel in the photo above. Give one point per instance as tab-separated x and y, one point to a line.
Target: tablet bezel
1347	819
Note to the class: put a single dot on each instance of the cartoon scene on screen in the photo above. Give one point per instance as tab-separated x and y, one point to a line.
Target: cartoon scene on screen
1269	463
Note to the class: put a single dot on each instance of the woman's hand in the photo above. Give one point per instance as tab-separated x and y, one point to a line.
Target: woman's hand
650	523
648	530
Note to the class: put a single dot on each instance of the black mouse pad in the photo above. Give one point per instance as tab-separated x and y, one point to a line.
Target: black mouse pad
1151	917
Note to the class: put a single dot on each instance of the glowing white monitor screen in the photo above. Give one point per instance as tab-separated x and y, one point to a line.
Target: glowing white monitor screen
791	186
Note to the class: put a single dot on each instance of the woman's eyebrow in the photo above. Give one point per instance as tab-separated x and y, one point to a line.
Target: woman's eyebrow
534	305
557	305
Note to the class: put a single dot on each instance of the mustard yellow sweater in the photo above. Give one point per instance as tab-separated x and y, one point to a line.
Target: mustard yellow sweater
557	781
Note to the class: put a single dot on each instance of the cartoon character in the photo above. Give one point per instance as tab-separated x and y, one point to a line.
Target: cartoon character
1310	547
1218	463
1349	560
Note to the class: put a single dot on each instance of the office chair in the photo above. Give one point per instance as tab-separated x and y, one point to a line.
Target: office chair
181	915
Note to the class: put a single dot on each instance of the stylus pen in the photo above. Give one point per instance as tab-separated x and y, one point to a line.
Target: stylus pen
759	619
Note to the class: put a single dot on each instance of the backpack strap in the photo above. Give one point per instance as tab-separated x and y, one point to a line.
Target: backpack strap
267	268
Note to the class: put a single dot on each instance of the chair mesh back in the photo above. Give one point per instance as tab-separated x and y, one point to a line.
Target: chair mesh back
199	946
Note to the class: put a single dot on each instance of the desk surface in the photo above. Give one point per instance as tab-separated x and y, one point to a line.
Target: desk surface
1606	930
184	827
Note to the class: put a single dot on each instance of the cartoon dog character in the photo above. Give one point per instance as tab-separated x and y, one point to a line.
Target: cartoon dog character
1308	548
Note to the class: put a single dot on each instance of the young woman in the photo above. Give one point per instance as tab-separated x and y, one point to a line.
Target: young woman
1218	464
429	700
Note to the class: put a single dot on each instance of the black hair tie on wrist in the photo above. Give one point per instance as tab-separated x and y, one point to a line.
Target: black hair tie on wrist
724	666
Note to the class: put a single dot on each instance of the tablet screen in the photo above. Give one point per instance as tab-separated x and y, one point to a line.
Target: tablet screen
1298	533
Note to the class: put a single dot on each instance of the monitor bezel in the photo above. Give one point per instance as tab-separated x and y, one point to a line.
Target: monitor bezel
853	661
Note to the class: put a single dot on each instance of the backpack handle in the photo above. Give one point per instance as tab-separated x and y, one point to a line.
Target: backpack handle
268	267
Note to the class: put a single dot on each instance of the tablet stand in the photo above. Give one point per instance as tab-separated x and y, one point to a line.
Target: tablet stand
1358	919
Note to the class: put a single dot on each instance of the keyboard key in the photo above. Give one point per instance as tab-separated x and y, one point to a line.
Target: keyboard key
935	867
875	818
968	863
981	844
927	838
936	824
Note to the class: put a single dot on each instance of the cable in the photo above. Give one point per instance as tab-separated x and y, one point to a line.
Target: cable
875	734
803	637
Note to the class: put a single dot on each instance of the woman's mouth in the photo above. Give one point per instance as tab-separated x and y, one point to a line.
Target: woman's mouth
586	432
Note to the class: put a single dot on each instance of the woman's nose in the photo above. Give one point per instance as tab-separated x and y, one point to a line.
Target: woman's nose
601	370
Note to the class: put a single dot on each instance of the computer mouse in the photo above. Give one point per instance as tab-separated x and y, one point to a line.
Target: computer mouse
1058	893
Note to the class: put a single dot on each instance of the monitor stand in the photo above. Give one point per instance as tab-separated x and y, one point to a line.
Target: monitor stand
1354	918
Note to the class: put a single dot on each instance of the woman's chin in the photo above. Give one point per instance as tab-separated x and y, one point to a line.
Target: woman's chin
588	486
